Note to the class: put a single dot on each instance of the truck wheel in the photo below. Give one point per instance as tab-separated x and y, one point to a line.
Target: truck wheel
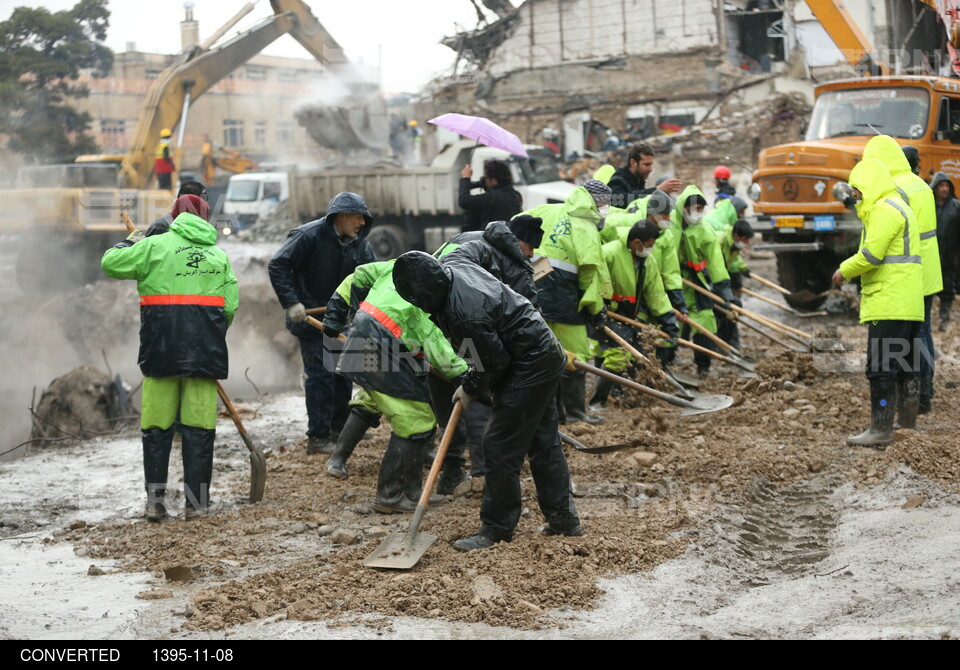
806	275
388	241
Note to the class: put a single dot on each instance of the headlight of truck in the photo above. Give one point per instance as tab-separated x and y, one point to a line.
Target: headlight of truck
754	191
842	190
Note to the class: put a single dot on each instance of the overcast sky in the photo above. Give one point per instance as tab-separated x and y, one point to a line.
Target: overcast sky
407	31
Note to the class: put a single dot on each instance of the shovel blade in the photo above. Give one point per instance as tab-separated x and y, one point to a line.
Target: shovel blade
685	379
706	404
400	551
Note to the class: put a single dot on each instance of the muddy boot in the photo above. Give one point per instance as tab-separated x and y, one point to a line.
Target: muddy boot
883	403
452	478
945	307
358	422
156	459
197	469
600	395
908	402
401	458
573	389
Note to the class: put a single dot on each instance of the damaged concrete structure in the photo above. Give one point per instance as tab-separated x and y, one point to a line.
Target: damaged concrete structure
569	71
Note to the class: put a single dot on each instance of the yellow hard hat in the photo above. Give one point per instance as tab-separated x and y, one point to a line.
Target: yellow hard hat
166	132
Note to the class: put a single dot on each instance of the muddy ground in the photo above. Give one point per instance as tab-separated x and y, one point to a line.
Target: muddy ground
755	522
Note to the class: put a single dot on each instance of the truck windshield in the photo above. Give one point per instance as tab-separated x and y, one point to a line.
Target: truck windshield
243	190
540	168
898	112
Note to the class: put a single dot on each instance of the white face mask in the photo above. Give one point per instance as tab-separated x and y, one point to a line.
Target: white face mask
604	210
693	218
664	224
642	252
739	246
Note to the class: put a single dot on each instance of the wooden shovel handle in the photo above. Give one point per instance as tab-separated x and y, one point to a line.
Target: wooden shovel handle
127	222
768	283
319	326
769	301
441	453
746	312
682	342
706	333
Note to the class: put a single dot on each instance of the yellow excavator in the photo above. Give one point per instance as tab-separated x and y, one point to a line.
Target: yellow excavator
213	156
794	184
73	211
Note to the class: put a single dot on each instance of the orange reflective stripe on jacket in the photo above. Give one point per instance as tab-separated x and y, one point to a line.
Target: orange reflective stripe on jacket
204	300
384	320
697	267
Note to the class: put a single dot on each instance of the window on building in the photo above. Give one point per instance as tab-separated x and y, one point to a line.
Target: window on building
260	133
285	132
232	132
287	75
256	73
113	135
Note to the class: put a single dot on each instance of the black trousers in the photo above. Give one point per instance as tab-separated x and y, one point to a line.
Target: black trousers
893	350
524	424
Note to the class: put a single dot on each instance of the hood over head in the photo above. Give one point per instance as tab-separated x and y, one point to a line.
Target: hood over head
421	280
873	180
689	192
351	203
581	205
659	203
192	227
941	177
888	151
739	204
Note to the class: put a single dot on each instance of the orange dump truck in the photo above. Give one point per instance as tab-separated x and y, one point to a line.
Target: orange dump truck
796	210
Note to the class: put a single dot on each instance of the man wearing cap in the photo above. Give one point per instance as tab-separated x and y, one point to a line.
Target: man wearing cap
188	296
305	272
163	161
572	295
721	177
514	357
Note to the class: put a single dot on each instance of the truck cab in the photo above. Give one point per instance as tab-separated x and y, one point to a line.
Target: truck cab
793	187
255	195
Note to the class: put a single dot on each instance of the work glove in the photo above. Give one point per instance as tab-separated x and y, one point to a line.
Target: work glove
571	359
465	398
135	236
725	292
597	320
668	323
746	273
297	313
678	301
330	331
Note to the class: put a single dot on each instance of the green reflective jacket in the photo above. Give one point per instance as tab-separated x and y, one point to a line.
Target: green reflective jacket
721	217
625	272
920	199
699	249
889	267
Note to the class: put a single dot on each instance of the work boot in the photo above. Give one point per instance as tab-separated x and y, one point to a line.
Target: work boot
156	459
320	445
451	478
400	480
703	372
908	402
600	395
358	422
477	541
573	531
197	450
883	403
573	389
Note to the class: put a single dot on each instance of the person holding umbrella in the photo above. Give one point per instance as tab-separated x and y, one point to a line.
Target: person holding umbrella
499	200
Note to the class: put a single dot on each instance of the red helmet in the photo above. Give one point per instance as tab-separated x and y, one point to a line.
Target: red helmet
722	172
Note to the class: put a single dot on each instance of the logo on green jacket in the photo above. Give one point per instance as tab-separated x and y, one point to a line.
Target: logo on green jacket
560	229
196	257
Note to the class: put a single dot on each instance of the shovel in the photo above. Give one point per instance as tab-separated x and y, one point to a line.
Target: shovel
743	365
630	349
701	405
800	298
258	463
402	551
788	310
566	439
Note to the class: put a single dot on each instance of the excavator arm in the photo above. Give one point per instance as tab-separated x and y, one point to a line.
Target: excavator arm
197	70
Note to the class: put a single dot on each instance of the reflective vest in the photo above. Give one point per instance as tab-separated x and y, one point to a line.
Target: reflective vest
163	161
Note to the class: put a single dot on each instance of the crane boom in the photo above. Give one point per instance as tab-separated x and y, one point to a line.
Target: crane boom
857	48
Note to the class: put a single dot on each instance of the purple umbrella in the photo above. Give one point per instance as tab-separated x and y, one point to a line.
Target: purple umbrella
483	131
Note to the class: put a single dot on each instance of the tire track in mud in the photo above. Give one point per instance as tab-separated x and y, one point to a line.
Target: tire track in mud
778	533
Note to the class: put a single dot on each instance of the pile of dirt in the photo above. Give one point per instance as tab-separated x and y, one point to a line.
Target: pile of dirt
81	404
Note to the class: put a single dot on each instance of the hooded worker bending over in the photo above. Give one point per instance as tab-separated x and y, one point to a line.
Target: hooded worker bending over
515	357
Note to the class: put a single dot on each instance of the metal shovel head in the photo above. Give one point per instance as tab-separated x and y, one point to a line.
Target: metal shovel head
400	551
707	403
685	379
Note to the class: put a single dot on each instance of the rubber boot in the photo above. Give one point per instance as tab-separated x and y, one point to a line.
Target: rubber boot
908	402
573	389
197	470
358	422
451	477
402	458
156	459
883	403
600	395
945	307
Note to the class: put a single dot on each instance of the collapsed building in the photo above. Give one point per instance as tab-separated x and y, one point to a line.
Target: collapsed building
578	72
